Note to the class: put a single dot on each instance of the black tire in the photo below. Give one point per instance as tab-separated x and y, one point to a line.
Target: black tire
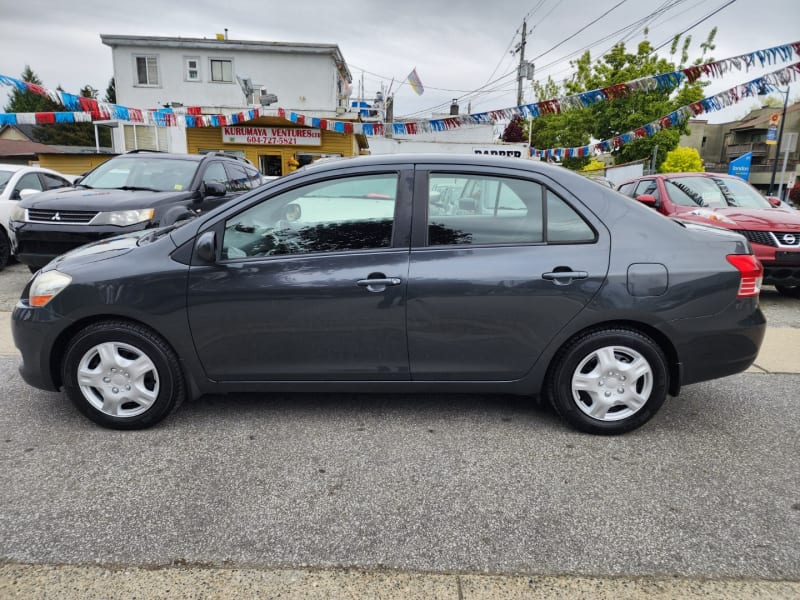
33	269
793	291
5	249
132	378
610	400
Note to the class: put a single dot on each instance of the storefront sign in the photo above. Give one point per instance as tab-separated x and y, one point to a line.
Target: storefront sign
272	136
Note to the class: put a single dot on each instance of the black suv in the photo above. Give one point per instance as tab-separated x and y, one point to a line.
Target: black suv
133	191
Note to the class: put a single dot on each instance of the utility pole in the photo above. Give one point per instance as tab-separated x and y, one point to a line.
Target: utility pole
522	66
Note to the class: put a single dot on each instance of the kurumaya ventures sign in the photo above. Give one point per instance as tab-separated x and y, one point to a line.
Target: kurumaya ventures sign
272	136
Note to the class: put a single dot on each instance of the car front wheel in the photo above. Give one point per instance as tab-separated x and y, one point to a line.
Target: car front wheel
608	381
122	375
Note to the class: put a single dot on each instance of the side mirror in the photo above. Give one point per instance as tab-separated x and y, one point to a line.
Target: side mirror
213	188
648	199
205	248
27	193
774	200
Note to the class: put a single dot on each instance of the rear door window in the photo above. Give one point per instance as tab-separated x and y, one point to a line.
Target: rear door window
479	209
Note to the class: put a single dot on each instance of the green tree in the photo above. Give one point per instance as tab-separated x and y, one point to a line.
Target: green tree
27	101
73	134
111	92
608	119
565	130
682	159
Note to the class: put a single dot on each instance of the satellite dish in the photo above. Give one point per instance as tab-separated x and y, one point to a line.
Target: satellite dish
246	84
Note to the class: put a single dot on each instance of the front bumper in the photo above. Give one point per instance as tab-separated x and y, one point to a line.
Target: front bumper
35	332
781	265
36	244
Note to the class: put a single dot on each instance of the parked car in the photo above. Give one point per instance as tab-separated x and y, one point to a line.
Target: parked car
14	180
730	202
130	192
351	276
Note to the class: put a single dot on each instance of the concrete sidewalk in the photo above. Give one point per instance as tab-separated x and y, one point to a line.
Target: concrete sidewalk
87	582
780	352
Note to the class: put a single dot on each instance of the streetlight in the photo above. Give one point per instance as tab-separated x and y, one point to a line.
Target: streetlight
780	139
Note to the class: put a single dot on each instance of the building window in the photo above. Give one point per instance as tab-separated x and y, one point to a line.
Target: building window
703	143
221	70
193	69
147	70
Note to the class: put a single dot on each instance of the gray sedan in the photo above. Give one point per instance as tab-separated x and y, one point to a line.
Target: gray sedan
400	274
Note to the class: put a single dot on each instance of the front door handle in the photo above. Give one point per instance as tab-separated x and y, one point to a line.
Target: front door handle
378	284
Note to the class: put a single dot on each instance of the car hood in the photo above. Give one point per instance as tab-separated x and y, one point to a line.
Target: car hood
100	250
772	219
99	199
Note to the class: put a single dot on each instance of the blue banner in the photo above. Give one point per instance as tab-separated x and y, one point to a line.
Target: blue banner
740	167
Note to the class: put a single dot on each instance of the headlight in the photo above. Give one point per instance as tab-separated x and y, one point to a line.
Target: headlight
124	217
45	286
18	213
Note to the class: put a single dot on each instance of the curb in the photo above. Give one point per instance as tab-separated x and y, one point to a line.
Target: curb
88	582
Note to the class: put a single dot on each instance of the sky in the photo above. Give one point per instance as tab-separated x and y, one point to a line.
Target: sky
457	47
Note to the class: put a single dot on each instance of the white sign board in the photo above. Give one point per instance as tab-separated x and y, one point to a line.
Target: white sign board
272	136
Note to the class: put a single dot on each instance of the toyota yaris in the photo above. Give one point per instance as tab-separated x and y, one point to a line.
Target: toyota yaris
417	273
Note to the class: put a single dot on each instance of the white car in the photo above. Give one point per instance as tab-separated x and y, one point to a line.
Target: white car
15	179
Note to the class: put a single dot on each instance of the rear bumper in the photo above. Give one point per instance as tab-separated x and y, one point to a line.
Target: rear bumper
717	346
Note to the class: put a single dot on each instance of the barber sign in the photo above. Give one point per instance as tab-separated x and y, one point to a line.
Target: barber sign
511	151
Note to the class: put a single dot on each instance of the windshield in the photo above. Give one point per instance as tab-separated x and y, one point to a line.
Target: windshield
4	177
157	174
720	192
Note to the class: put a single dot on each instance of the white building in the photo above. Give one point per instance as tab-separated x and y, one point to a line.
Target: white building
157	72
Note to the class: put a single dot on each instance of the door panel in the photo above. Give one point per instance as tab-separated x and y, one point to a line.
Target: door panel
499	265
301	318
487	313
310	284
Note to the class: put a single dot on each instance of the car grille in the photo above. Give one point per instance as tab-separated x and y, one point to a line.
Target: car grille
784	239
60	216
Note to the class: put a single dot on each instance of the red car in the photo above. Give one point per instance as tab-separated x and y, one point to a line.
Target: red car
730	202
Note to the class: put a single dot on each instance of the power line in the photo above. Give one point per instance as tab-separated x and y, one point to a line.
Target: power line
708	16
581	30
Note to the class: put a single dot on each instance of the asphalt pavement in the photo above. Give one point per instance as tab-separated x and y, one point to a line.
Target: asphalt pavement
406	496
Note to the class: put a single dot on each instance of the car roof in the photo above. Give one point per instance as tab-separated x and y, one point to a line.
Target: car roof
673	175
176	156
14	168
439	159
156	154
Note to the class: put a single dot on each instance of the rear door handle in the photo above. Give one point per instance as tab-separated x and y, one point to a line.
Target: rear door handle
378	284
564	277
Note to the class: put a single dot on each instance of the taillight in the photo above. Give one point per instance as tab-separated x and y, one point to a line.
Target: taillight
751	272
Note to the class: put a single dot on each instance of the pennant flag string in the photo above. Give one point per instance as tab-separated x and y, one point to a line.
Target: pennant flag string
767	83
192	117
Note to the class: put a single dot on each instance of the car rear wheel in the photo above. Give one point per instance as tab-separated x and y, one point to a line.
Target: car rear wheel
789	290
5	249
122	375
608	381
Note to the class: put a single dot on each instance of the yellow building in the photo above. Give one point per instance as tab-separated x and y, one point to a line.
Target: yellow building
273	144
